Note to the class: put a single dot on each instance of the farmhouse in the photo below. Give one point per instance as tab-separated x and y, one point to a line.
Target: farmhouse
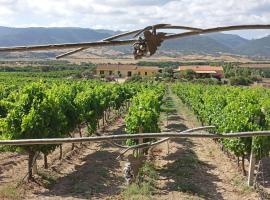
203	70
121	70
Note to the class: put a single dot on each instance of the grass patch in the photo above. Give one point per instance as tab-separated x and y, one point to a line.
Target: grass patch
143	188
240	182
138	192
48	178
181	107
167	109
10	192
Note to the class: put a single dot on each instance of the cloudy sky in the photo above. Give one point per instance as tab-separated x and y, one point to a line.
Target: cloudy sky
130	14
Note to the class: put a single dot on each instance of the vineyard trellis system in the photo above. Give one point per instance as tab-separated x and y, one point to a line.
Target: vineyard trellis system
166	135
131	136
79	105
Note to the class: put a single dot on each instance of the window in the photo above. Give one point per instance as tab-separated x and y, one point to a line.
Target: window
129	74
139	73
110	73
145	73
119	74
101	72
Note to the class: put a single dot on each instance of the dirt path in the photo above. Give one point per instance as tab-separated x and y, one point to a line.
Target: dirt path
88	171
94	173
196	168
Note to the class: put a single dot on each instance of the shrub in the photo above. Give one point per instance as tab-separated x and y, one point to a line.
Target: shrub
240	80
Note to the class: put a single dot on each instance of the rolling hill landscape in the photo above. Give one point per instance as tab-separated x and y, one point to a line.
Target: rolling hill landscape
213	44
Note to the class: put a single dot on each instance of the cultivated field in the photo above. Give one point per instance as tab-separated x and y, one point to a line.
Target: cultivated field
54	105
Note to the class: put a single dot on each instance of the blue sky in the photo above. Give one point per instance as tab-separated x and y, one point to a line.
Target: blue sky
131	14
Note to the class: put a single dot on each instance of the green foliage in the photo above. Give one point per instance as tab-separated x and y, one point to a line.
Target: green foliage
168	72
43	66
143	188
55	108
134	78
240	75
240	80
265	72
144	112
208	81
231	109
138	192
36	114
233	69
188	74
148	173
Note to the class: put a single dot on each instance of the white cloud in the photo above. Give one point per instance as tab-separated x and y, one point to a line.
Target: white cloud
130	14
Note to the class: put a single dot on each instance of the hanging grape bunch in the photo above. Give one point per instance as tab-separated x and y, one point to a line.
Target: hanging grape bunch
140	48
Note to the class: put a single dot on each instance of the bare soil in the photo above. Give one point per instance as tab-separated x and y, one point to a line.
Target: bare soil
196	168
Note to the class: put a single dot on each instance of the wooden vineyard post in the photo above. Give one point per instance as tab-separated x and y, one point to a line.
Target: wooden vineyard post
140	151
60	152
168	147
34	165
251	169
134	164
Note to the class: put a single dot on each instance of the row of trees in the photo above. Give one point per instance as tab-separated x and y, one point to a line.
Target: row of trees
42	66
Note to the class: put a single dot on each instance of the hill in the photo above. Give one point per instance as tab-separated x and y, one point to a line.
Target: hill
215	43
229	40
34	36
196	44
259	47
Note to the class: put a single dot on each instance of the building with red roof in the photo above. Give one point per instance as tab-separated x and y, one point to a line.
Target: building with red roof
204	70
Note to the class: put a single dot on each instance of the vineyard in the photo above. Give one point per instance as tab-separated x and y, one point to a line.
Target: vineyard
231	109
33	108
56	109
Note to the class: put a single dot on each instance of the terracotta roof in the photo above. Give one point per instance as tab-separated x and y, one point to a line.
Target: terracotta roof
127	67
201	68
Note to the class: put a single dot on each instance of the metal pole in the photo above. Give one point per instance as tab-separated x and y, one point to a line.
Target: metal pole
131	136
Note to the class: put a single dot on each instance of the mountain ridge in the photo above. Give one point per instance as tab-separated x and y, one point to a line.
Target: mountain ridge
214	43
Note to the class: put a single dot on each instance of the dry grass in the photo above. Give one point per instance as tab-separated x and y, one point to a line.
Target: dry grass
10	192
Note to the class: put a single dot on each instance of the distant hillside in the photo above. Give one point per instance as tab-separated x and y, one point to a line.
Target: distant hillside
259	47
196	44
32	36
229	40
215	43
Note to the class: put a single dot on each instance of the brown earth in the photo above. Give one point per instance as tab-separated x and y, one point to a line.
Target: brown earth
197	168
